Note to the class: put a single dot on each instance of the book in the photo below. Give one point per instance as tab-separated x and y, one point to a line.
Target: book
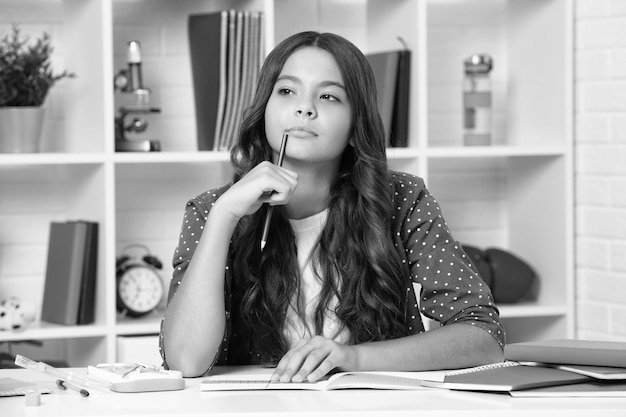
385	68
505	377
208	43
245	378
605	373
232	78
400	123
569	352
584	389
225	49
86	303
392	74
69	288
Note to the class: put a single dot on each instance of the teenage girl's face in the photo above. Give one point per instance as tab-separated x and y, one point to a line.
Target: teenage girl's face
309	102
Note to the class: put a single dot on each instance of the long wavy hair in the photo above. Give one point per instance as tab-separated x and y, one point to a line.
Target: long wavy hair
355	257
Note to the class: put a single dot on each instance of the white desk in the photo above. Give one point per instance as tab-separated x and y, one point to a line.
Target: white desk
345	403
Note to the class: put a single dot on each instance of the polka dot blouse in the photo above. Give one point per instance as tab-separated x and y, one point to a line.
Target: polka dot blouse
449	287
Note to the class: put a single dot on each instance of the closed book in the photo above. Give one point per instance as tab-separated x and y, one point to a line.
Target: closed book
86	304
208	45
505	377
603	373
385	68
64	271
584	389
399	135
392	72
569	352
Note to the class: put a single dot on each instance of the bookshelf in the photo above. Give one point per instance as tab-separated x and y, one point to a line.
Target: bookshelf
515	194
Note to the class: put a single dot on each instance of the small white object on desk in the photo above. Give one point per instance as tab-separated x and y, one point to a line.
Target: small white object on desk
32	398
136	377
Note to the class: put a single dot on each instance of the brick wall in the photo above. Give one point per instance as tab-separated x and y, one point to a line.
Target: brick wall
600	146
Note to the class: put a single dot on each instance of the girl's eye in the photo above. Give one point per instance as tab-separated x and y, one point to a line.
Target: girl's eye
283	91
330	97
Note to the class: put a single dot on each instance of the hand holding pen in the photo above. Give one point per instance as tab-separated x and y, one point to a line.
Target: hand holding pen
270	209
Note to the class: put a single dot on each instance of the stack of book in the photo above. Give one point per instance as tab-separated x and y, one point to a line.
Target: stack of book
551	368
556	368
227	51
70	287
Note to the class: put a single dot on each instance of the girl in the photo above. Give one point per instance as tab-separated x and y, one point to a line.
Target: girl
333	287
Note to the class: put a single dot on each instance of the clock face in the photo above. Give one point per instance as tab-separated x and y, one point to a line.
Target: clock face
140	289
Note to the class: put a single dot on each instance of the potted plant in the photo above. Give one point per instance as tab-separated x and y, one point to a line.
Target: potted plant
26	77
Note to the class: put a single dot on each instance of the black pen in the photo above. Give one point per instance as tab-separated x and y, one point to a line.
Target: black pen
68	385
270	209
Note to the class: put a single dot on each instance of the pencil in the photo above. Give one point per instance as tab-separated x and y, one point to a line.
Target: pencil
270	209
69	385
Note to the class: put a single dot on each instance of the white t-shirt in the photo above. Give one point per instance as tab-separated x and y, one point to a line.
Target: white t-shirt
307	232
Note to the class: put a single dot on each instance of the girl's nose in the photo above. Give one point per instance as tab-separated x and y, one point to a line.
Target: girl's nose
306	109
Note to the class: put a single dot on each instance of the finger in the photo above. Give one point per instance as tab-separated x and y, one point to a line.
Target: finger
324	368
294	359
314	360
285	361
277	185
267	167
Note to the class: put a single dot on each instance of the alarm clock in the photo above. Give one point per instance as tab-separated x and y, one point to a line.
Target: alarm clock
139	287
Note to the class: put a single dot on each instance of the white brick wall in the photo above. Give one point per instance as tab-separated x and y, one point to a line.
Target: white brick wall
600	146
600	135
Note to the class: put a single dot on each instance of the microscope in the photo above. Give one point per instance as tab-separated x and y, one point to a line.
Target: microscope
129	81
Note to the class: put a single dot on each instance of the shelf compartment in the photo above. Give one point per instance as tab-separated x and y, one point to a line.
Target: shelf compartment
530	43
33	196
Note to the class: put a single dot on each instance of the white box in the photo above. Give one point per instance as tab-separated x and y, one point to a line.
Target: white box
143	349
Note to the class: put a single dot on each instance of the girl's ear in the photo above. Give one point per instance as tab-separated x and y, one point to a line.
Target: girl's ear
351	142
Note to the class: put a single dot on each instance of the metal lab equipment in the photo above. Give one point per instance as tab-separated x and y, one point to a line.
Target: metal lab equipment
477	100
129	80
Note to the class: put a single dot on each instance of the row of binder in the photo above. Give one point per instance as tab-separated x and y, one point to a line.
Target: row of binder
227	51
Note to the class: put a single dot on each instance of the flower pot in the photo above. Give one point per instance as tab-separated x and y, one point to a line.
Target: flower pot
20	129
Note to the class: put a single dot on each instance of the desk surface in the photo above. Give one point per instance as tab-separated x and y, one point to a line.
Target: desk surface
345	403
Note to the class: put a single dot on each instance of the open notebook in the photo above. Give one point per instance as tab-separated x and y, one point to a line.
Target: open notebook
258	378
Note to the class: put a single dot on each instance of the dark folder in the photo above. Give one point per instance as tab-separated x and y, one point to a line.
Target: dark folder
392	72
208	40
86	304
69	291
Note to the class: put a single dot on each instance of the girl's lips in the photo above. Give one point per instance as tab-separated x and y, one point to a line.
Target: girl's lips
300	131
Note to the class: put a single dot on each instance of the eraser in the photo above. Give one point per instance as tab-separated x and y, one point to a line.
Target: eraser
32	398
